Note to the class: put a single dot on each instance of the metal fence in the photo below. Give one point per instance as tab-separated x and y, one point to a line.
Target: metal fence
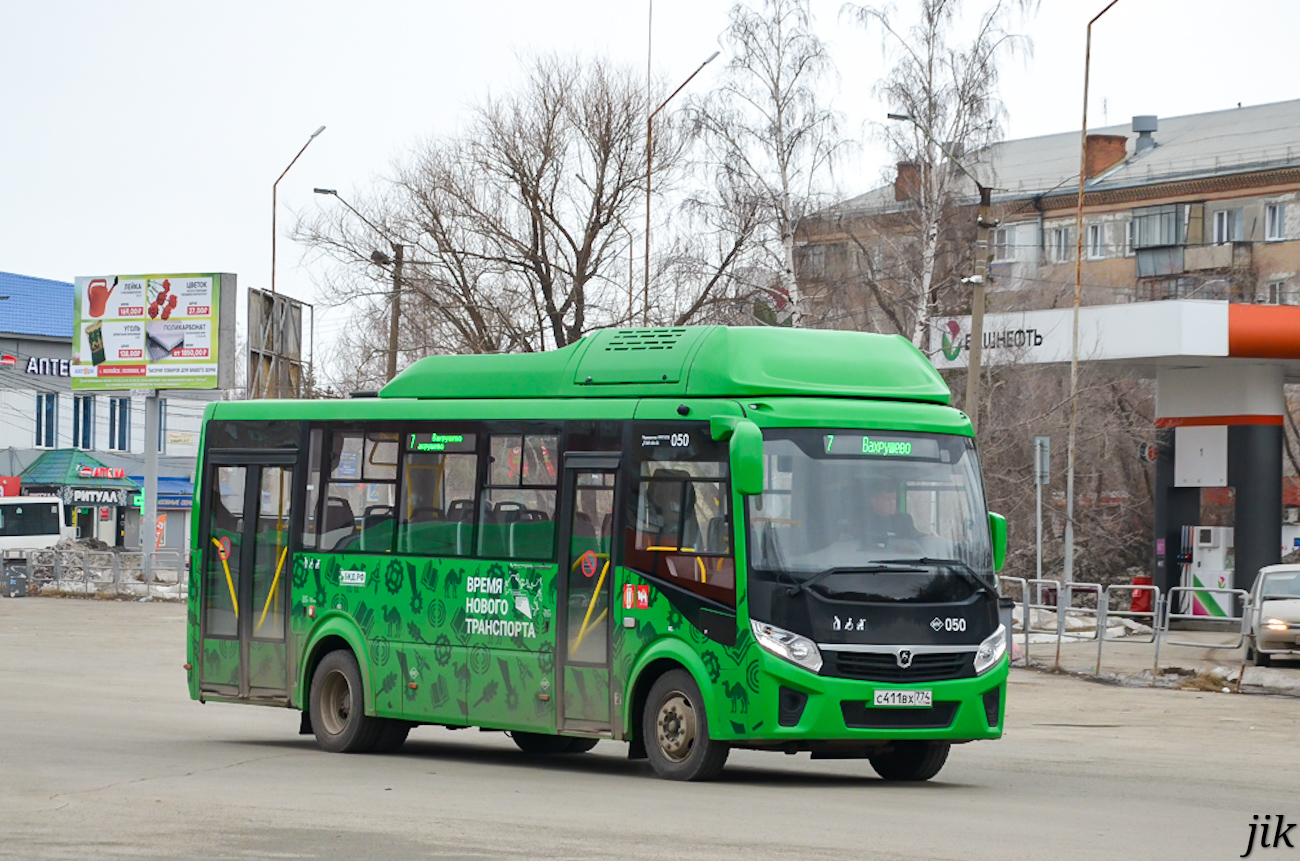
116	572
1101	606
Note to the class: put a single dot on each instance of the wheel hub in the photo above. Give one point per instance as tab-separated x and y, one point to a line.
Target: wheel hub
675	727
336	703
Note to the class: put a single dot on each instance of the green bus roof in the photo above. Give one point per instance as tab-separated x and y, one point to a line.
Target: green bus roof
691	361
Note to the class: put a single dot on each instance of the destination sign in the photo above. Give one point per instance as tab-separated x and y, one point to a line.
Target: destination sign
440	442
874	445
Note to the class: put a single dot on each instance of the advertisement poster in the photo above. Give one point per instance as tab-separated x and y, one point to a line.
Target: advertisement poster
146	332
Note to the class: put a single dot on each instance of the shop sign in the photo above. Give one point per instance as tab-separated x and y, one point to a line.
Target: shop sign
8	361
49	367
81	497
101	472
10	485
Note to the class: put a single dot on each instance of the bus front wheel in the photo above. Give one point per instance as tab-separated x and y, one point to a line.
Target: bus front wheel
912	760
338	715
676	731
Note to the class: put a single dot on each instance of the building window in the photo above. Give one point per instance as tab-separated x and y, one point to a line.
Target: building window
83	421
1096	242
1227	226
1058	248
47	415
1156	226
1275	293
119	424
1128	238
1004	248
1274	222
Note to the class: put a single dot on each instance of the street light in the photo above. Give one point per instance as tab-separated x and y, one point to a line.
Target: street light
381	259
649	127
274	188
978	280
1078	300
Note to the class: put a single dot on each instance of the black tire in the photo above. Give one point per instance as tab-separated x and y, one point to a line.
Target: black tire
537	744
581	745
392	735
1262	659
912	760
675	729
338	716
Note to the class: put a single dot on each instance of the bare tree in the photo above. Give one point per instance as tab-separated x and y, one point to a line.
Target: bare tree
769	133
949	93
513	229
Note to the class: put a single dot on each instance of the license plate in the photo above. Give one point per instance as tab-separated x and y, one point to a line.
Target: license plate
904	699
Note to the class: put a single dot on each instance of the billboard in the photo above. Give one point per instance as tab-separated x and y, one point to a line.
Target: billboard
153	331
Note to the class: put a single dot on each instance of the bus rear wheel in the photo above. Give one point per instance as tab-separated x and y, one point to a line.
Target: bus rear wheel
676	731
338	716
912	760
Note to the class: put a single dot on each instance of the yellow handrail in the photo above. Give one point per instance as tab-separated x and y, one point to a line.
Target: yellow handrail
582	632
234	602
275	584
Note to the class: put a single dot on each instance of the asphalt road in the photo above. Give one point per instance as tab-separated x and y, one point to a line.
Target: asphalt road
102	755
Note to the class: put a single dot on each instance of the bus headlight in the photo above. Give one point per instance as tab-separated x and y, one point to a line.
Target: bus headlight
788	645
991	651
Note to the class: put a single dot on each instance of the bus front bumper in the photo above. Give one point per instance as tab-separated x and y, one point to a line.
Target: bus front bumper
799	710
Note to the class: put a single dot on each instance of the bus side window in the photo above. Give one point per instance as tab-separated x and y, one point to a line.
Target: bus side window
361	496
517	519
439	472
311	509
679	516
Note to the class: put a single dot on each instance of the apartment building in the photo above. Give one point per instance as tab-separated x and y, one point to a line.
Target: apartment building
1203	206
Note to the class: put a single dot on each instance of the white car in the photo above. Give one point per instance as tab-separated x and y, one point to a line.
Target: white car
1275	614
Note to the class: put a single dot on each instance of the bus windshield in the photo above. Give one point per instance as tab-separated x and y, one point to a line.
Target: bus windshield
886	504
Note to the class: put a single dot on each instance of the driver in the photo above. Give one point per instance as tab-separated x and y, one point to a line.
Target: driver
885	520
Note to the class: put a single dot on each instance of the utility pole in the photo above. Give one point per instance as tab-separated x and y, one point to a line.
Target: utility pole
1078	302
983	223
395	308
979	280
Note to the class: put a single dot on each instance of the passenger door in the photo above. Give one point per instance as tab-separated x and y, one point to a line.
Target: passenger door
247	574
588	509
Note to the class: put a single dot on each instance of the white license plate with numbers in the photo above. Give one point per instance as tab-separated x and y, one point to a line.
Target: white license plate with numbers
904	699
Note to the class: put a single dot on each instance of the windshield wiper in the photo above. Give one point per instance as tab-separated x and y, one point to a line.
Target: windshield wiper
938	563
873	568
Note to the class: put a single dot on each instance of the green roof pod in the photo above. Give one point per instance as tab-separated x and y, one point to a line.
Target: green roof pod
695	361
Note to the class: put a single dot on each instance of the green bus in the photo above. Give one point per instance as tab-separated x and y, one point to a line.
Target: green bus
689	539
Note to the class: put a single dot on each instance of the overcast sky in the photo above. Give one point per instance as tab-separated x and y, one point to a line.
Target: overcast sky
143	137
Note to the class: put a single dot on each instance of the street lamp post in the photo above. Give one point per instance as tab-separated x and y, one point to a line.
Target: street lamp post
978	280
649	128
381	259
274	189
1078	301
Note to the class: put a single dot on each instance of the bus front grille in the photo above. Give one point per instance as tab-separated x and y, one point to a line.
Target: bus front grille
859	715
883	667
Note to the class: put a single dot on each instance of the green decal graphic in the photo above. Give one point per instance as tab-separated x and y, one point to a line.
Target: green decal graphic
738	696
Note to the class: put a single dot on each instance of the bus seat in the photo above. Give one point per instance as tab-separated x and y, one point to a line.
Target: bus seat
460	510
339	522
665	498
583	526
718	535
377	527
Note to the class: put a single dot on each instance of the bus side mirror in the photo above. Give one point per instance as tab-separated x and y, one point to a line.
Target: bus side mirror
998	532
746	447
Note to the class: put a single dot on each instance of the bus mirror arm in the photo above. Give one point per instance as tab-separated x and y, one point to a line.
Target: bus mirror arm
746	448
